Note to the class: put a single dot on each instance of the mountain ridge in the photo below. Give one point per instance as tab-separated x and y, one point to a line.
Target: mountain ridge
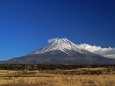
62	51
62	44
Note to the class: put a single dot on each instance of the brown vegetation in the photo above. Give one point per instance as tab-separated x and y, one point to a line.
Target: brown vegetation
76	77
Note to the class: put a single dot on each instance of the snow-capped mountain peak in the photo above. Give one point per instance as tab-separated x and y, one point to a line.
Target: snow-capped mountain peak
62	44
62	51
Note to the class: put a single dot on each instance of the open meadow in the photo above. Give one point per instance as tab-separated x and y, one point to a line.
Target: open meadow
99	76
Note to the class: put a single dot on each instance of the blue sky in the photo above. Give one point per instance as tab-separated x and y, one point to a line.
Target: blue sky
26	25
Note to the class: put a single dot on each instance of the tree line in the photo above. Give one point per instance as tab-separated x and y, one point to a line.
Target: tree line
46	66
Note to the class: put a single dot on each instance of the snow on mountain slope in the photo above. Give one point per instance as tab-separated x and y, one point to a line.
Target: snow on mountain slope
61	51
62	44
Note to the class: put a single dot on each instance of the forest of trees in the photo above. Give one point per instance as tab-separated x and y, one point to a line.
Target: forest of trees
46	66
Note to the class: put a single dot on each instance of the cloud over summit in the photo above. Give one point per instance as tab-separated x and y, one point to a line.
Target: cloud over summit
52	40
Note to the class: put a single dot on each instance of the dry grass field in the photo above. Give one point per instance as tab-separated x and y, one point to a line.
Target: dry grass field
74	77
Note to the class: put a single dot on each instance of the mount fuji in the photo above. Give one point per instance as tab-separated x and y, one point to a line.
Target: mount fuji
61	51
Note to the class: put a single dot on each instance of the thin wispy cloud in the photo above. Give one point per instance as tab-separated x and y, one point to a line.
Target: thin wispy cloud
52	40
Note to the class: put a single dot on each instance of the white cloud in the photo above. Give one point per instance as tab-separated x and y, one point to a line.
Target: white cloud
52	40
107	52
55	39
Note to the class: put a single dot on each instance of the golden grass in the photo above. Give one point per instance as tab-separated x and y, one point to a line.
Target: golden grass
46	78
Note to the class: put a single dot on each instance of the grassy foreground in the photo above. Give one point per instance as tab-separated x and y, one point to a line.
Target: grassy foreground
74	77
